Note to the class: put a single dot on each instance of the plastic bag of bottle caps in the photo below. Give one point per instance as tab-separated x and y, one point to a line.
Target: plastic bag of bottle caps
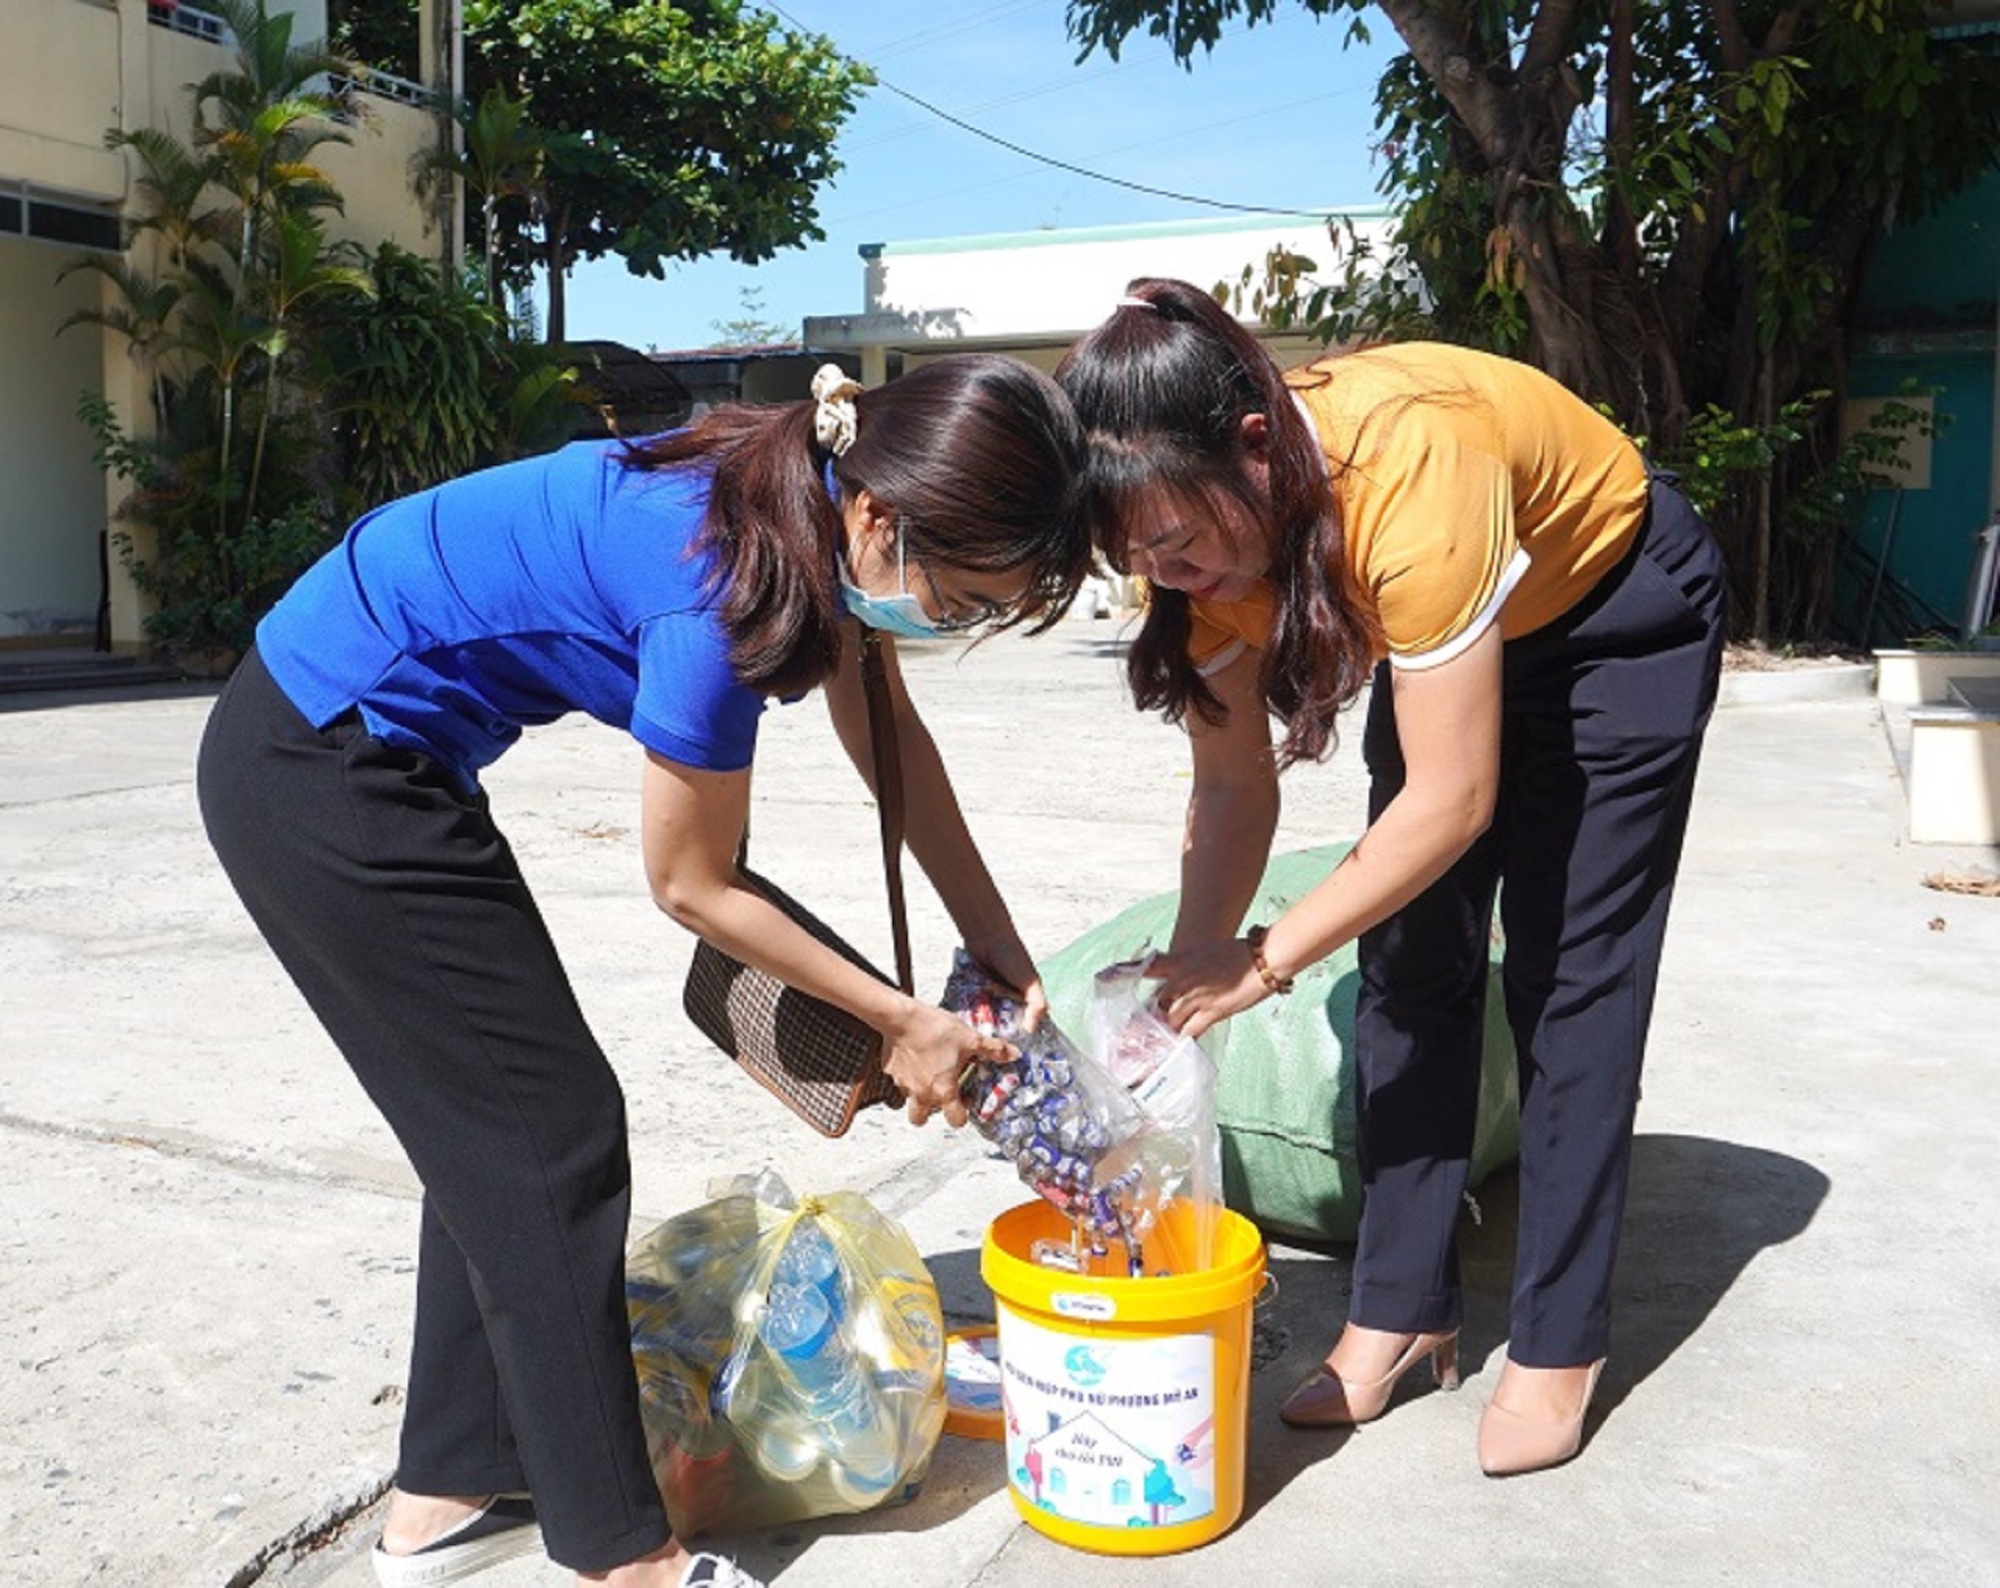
790	1358
1075	1134
1173	1082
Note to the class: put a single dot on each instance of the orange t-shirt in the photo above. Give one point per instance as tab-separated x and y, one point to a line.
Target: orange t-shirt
1471	490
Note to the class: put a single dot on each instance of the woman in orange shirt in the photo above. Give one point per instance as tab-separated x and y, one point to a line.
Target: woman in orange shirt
1543	623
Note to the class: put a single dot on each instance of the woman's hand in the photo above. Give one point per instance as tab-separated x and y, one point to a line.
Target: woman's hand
1007	961
928	1052
1201	986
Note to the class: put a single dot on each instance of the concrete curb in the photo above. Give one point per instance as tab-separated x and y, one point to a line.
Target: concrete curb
1783	686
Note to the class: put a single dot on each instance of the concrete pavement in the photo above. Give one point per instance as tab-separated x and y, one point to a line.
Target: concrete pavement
205	1281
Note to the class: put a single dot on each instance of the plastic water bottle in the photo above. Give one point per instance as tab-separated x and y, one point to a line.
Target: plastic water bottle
812	1351
809	1259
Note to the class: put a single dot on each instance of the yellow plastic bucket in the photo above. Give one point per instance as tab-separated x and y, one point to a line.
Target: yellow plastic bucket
1125	1400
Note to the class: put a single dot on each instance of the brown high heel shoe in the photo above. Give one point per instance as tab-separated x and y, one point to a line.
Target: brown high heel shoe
1511	1443
1327	1401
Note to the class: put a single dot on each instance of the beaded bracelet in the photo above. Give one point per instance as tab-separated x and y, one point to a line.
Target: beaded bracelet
1272	981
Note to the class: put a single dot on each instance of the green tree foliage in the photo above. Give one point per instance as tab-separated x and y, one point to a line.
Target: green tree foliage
1669	207
378	33
423	380
670	128
655	130
501	158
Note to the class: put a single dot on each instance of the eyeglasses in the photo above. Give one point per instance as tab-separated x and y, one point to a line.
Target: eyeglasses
950	619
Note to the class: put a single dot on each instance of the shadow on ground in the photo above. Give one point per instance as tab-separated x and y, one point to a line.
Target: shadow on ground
1698	1212
16	700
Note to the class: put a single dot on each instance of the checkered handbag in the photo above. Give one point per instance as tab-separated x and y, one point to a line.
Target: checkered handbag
821	1062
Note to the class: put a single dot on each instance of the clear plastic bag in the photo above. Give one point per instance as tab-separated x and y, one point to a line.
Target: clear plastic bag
1172	1080
1084	1141
790	1358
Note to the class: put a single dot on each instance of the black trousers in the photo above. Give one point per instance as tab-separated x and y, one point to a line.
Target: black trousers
398	908
1603	716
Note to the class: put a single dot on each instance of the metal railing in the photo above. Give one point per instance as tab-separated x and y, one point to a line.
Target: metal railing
191	20
383	85
343	86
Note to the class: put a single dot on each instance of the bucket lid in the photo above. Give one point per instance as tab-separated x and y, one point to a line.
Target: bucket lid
972	1383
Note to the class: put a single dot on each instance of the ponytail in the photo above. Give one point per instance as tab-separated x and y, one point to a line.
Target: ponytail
772	535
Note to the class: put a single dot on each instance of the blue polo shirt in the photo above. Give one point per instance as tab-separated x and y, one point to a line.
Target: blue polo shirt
454	618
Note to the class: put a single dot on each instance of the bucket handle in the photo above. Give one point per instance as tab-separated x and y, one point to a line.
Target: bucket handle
1267	1291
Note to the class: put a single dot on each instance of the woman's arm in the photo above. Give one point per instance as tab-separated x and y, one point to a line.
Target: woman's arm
1448	726
1232	809
691	822
935	828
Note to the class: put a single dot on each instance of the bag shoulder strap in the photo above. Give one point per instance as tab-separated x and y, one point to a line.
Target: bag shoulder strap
887	757
889	805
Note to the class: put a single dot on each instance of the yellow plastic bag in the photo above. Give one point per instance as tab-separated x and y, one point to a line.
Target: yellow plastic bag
790	1358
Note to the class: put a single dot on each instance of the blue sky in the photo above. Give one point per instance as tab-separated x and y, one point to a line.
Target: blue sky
1279	115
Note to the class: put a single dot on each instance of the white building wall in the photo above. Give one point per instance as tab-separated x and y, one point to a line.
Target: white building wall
53	506
60	87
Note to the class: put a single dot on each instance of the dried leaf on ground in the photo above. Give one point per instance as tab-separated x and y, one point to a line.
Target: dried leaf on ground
1982	884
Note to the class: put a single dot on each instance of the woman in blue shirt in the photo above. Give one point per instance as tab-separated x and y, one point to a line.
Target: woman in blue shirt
670	589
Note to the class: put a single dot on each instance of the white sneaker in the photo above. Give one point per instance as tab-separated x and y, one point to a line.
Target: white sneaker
501	1529
717	1571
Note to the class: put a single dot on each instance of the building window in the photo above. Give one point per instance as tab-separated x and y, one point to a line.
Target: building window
59	223
26	213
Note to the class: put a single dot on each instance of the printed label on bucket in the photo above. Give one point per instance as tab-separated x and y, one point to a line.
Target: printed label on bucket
1109	1432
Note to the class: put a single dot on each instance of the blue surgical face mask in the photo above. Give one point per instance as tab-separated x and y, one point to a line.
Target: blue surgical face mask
900	613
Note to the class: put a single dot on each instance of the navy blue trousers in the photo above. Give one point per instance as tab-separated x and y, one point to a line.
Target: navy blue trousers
396	905
1603	716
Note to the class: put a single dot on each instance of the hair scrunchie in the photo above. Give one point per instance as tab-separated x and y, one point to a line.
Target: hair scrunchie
834	416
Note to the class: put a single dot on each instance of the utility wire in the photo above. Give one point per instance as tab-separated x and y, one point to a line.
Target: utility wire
1050	160
1020	96
1085	171
848	218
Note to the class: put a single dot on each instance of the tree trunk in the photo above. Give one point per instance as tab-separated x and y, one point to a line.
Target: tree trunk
1760	603
1621	233
1517	120
489	211
556	259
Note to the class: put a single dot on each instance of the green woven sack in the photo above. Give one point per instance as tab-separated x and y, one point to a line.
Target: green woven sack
1285	1093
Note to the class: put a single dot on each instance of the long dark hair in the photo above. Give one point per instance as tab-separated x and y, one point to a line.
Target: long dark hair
980	454
1162	388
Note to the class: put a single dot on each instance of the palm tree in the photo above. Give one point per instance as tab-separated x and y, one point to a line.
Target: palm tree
173	180
298	270
142	315
501	156
262	118
220	335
